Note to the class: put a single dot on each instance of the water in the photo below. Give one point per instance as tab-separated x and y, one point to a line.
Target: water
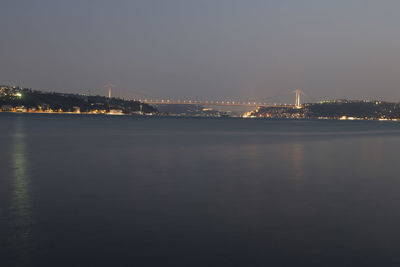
125	191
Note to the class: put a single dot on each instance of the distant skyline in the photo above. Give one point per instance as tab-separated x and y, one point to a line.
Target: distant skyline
204	49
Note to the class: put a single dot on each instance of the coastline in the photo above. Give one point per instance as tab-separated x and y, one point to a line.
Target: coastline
343	118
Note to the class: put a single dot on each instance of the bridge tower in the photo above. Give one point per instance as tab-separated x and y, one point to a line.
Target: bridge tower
109	86
298	94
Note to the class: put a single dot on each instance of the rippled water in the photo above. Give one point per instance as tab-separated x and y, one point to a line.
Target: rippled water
126	191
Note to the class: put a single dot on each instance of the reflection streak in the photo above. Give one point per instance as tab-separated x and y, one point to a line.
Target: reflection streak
21	204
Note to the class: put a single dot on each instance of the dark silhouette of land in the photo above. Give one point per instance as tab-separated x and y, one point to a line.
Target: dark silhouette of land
336	109
15	98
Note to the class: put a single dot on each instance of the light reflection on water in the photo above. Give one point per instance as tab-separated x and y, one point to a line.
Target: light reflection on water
297	159
21	205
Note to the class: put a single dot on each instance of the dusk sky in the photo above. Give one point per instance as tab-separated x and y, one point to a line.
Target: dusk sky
204	49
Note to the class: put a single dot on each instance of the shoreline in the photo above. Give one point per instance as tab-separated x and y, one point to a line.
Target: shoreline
344	118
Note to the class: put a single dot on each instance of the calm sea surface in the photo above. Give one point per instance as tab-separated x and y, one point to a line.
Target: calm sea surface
127	191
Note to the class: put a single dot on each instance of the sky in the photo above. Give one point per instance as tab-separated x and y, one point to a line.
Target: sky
204	49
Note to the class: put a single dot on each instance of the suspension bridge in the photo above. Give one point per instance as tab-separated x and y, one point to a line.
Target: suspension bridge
167	101
297	102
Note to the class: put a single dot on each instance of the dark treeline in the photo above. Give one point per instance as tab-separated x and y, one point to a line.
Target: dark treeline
359	109
69	102
334	109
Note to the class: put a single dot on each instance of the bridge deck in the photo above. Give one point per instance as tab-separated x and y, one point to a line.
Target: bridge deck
237	104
